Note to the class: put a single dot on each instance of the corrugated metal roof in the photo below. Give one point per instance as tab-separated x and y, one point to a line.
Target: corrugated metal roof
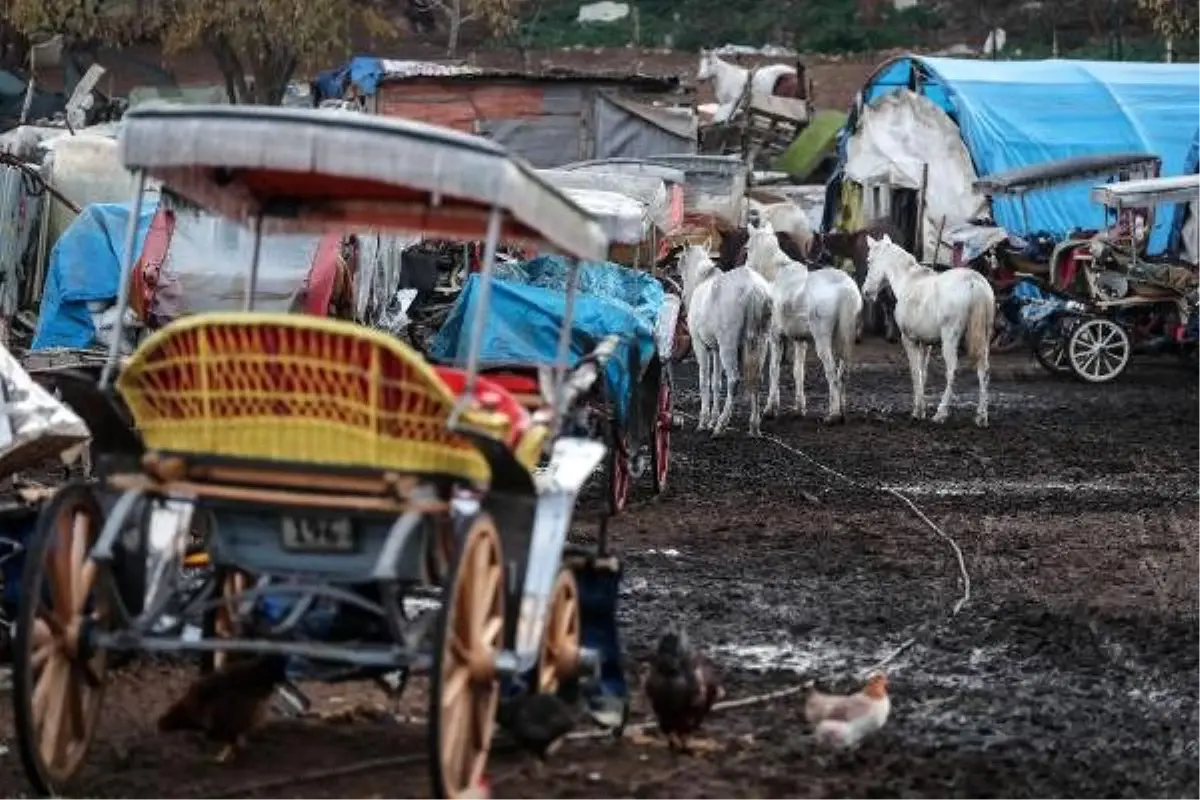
396	70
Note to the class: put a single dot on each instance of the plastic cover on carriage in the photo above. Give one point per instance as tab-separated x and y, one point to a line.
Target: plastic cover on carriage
527	308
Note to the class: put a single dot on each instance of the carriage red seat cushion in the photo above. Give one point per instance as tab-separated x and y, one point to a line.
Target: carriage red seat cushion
493	397
516	382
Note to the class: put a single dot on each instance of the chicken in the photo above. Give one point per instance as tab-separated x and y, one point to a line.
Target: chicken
227	704
537	722
845	720
682	688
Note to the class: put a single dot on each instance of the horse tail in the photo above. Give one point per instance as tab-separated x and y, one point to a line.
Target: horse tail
755	335
980	321
845	330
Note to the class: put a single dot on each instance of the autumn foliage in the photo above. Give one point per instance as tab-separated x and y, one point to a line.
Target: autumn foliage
258	46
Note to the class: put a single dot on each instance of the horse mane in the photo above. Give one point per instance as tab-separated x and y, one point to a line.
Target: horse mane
734	242
790	247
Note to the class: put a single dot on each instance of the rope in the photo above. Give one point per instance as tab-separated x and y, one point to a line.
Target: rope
964	574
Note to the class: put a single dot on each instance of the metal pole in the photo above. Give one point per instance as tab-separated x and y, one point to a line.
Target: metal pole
564	333
481	302
252	277
128	258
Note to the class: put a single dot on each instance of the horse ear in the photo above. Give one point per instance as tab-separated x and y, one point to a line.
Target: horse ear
887	239
871	241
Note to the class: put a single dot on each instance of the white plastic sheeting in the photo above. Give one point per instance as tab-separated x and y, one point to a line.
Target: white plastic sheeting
900	133
623	218
649	191
209	258
33	426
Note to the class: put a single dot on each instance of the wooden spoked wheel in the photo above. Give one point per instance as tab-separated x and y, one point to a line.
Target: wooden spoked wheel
661	452
465	692
58	678
223	622
619	478
559	657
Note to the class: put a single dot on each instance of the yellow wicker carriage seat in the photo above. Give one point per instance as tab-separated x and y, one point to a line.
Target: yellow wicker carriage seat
306	390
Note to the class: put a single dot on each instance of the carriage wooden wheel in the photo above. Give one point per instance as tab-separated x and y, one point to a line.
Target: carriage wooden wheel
465	690
559	658
619	478
58	680
661	447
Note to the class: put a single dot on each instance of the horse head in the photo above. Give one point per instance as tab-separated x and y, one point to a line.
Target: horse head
763	252
695	266
883	256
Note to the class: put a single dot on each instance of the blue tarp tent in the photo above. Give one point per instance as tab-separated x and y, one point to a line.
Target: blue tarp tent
1019	113
1191	166
85	266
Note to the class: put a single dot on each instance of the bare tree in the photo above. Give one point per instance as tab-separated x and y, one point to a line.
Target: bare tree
498	15
1172	20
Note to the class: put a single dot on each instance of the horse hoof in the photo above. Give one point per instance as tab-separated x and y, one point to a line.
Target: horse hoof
981	422
939	417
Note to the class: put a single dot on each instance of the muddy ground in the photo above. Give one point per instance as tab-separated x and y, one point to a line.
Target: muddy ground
1072	670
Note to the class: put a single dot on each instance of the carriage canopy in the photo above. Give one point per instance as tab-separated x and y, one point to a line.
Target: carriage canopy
303	169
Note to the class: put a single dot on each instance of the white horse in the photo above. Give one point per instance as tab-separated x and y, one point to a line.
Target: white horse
820	306
729	81
729	318
934	307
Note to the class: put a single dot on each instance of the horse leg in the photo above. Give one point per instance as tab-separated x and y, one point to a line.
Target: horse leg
983	370
913	350
950	339
714	386
775	357
824	347
702	360
728	355
799	354
926	351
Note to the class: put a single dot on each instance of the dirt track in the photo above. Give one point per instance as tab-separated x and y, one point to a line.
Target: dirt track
1071	672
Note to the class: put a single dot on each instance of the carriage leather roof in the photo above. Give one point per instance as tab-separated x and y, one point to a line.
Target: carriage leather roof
1015	114
1079	168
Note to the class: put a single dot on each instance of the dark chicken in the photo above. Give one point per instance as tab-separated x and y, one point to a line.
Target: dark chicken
227	705
682	688
538	722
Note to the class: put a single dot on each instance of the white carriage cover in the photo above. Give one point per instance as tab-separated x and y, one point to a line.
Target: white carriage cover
34	426
304	169
623	218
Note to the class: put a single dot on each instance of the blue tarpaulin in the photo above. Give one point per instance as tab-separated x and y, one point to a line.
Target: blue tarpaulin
363	72
1019	113
1191	166
85	266
527	309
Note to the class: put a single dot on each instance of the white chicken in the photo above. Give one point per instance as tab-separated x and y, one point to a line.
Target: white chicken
845	720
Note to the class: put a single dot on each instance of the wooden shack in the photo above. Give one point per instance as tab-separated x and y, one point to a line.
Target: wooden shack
549	119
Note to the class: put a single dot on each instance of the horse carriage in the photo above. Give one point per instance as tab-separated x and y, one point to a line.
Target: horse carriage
632	408
324	470
1021	267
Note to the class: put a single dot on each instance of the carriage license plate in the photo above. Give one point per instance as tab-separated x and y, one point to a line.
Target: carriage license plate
318	534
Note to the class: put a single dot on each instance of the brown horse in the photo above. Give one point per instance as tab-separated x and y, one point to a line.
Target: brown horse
733	248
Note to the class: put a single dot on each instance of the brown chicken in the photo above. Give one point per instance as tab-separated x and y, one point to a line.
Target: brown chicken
682	688
227	705
845	720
